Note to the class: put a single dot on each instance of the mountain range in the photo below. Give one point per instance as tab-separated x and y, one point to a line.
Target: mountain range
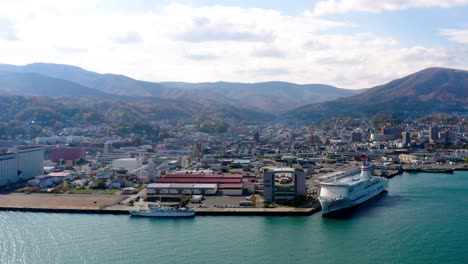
267	96
427	91
77	94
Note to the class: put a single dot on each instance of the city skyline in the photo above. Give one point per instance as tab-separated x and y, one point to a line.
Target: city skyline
352	44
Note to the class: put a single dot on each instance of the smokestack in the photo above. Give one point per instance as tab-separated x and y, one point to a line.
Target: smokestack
365	172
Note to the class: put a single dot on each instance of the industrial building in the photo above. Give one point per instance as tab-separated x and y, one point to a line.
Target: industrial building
105	159
58	154
30	161
181	188
8	169
228	184
127	163
283	185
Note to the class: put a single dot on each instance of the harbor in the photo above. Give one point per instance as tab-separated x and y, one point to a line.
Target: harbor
114	204
86	204
387	224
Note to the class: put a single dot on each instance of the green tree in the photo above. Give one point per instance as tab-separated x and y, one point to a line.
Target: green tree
100	184
380	120
80	161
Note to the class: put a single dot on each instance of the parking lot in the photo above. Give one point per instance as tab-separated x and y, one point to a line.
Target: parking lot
226	201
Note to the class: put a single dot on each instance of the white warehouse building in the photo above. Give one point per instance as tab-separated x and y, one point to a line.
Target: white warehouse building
8	169
30	161
127	163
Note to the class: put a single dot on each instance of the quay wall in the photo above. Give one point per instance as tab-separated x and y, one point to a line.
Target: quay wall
62	210
198	211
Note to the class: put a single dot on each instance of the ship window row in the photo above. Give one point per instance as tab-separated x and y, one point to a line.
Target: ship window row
372	184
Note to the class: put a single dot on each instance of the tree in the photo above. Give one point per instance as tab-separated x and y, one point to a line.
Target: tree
80	160
379	120
100	184
185	201
254	200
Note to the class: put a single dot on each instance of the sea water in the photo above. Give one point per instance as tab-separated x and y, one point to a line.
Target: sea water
422	219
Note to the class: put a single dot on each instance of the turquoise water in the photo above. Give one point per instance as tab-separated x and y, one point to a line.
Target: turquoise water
422	219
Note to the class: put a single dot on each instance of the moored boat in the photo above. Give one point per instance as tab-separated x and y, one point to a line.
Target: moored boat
437	170
163	211
351	191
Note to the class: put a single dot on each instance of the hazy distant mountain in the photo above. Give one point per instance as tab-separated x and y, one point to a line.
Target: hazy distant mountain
59	71
426	91
109	83
267	96
69	110
15	83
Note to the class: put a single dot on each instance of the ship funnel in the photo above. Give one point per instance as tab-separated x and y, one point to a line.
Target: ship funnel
365	172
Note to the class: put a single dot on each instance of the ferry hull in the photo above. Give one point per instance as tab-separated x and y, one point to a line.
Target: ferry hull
334	207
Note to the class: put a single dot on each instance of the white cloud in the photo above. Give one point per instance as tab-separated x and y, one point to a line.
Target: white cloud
200	56
7	31
374	6
129	38
269	52
456	35
204	30
211	43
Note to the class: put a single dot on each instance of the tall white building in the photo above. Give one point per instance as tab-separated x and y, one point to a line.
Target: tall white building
8	169
108	147
30	161
127	163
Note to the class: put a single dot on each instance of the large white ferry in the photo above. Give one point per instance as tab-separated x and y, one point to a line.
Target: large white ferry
163	211
350	191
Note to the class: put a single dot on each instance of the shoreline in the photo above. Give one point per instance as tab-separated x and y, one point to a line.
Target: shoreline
32	203
198	211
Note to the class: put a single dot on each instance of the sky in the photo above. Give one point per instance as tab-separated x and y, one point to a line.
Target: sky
346	43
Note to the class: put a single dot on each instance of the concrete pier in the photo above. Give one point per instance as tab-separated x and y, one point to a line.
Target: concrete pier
282	211
106	204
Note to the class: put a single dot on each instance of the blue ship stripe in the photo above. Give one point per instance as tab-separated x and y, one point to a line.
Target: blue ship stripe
359	197
381	187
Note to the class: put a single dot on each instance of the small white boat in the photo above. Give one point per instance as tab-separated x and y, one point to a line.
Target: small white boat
163	211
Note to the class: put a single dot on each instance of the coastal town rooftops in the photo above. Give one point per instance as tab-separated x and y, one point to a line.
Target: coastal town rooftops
159	185
198	180
227	176
181	186
29	147
241	161
59	174
282	169
184	185
232	186
205	186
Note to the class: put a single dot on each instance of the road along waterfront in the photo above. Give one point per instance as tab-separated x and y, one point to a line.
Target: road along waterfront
420	220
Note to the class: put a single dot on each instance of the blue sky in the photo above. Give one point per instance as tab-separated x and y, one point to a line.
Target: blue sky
351	44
